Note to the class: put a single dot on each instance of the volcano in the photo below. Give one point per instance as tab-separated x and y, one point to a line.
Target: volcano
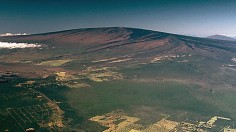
118	79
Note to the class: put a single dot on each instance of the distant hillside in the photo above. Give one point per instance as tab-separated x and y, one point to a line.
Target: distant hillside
221	37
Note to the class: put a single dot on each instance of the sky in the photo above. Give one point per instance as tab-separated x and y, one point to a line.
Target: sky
188	17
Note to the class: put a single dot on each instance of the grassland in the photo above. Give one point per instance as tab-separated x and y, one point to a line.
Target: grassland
168	87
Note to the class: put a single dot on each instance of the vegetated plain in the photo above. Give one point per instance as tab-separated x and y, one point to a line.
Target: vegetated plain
146	74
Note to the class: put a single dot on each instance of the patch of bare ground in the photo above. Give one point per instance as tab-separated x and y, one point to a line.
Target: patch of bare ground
101	74
171	57
121	60
163	125
116	121
70	80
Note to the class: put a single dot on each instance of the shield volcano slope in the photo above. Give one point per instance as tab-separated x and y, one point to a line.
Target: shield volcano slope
117	42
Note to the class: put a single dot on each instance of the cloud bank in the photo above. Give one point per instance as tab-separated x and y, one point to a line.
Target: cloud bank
10	45
11	34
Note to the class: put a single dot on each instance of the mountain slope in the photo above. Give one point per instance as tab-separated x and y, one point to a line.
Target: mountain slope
97	39
92	44
221	37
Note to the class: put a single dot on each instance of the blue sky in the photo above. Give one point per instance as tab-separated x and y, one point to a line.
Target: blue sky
189	17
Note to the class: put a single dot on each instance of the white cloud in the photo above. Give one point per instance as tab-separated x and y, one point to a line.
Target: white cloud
10	45
10	34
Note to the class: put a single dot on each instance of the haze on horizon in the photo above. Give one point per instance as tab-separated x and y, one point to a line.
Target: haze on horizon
188	17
